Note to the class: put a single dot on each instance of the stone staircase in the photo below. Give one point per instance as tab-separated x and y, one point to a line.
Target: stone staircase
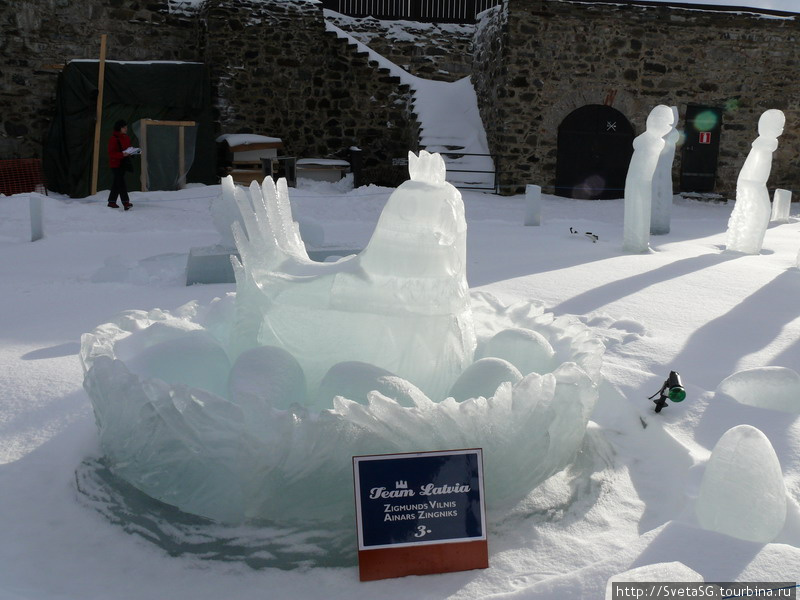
447	113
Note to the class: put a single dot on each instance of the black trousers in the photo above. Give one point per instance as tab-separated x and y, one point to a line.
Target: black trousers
118	187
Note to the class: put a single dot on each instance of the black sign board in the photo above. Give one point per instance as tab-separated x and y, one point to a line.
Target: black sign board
419	498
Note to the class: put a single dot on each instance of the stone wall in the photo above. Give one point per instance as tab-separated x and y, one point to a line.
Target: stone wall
277	72
38	36
489	76
561	55
441	52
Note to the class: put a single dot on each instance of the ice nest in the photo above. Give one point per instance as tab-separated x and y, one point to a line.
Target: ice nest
251	407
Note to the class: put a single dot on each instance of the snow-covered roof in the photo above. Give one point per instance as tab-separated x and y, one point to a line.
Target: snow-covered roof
327	162
138	62
243	139
771	10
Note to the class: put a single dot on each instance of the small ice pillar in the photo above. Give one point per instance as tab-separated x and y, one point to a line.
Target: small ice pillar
742	493
37	222
533	205
750	217
781	203
647	149
661	211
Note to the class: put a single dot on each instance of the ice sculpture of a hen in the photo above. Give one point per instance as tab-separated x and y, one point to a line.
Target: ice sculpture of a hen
250	408
402	304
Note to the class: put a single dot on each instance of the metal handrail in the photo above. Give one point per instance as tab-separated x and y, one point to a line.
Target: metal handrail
427	11
494	158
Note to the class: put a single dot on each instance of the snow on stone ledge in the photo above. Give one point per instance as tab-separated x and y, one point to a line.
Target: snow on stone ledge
243	139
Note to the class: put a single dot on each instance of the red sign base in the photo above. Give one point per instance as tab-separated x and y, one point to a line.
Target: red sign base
385	563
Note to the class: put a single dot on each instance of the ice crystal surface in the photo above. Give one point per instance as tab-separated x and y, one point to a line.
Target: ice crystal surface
742	493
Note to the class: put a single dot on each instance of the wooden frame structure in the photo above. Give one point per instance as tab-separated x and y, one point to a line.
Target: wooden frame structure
181	125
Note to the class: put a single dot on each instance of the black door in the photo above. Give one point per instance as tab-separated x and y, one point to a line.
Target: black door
700	148
595	144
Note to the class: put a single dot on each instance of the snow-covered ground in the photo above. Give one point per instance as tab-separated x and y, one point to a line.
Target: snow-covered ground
628	500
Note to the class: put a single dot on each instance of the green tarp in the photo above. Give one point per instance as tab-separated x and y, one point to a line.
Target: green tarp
167	91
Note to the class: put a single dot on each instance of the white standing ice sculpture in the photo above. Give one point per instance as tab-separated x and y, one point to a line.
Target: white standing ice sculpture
750	217
742	493
661	211
251	407
647	149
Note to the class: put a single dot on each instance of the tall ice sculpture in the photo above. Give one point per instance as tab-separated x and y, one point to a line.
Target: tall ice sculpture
750	217
661	211
647	149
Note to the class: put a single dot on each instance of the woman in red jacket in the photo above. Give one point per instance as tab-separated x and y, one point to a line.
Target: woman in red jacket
117	160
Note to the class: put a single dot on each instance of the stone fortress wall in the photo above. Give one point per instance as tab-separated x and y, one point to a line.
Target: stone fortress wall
275	71
557	56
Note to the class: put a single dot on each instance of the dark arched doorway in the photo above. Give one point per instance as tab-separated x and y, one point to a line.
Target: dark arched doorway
595	144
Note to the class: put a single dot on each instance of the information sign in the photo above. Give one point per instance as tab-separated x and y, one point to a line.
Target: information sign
420	513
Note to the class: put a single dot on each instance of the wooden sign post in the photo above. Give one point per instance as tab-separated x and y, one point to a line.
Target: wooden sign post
420	513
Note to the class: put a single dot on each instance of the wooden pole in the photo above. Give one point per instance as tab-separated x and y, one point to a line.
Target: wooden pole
143	162
181	156
98	122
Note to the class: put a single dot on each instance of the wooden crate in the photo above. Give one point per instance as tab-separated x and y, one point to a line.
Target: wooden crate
247	166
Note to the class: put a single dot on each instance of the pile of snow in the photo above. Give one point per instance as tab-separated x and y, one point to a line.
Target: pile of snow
628	500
